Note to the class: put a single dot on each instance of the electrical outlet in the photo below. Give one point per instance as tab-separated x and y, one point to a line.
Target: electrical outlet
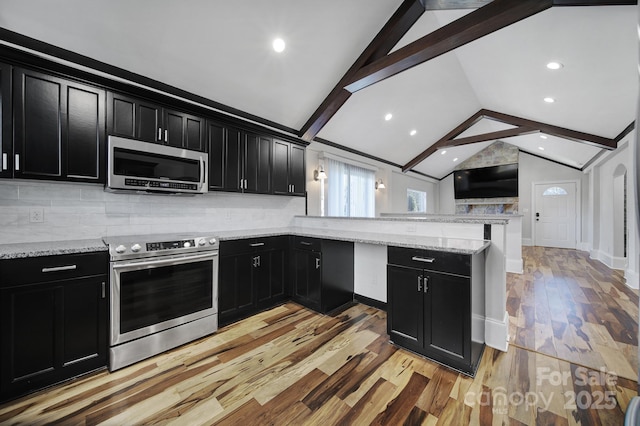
36	215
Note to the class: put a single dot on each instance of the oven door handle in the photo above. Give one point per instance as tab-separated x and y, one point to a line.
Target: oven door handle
202	172
168	261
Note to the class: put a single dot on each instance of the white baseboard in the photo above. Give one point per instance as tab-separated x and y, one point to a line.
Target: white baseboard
619	262
632	279
611	261
582	246
527	242
496	334
477	328
515	265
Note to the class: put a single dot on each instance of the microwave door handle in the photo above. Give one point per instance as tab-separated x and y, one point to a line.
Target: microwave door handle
202	172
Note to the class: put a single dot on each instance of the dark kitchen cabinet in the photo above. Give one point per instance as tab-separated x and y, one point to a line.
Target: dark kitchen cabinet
6	127
253	276
59	128
429	311
239	161
136	118
288	168
322	273
54	320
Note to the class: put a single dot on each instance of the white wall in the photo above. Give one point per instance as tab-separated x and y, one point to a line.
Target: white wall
84	211
606	207
447	202
534	169
391	199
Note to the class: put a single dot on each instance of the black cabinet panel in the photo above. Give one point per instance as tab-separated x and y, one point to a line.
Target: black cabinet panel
257	164
122	114
6	125
194	134
59	128
216	135
51	330
233	160
174	129
297	170
405	306
148	122
288	176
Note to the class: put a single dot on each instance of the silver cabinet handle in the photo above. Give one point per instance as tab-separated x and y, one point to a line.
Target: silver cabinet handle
305	243
17	162
423	259
166	135
317	262
4	161
425	283
59	268
419	283
256	244
159	133
104	292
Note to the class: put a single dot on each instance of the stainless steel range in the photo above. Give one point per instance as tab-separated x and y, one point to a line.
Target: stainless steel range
164	293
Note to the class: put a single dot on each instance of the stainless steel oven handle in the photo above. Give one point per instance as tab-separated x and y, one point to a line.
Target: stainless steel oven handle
202	172
146	262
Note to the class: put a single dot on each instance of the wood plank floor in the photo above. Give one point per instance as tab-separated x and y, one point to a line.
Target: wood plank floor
571	307
290	365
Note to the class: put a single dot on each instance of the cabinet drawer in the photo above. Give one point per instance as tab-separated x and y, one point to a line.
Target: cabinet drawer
251	245
307	243
52	268
441	261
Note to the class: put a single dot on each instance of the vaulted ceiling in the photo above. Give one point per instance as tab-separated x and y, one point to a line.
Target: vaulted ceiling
222	51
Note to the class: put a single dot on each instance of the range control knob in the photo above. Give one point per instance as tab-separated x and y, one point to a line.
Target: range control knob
135	248
201	242
121	249
186	244
212	241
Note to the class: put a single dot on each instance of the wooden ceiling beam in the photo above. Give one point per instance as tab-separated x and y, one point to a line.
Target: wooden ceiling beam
508	133
485	20
407	14
574	135
440	143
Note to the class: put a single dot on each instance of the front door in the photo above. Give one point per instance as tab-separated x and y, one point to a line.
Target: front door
555	214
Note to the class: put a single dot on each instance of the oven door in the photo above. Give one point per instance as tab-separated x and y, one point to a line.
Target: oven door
154	294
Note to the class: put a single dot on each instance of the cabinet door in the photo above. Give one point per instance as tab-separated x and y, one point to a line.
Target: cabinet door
280	170
234	146
149	122
308	278
194	133
39	102
60	128
447	319
6	126
270	277
85	138
405	306
216	135
174	128
257	164
236	296
297	170
28	337
133	118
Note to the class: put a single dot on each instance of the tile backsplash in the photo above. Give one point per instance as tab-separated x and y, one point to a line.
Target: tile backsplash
72	211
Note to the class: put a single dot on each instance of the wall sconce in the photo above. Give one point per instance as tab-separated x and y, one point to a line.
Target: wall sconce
319	174
380	184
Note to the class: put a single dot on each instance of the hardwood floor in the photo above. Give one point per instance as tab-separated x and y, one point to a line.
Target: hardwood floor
290	365
571	307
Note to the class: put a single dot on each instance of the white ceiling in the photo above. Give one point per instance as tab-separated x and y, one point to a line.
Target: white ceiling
222	50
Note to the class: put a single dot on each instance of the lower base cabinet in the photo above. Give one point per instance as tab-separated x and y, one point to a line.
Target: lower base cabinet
253	276
432	298
53	313
322	274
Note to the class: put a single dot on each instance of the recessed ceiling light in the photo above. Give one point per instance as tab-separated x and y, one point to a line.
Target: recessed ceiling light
388	116
554	65
278	45
541	148
413	132
549	100
543	136
443	152
455	159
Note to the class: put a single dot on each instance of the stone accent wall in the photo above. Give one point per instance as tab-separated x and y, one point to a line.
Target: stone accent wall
496	154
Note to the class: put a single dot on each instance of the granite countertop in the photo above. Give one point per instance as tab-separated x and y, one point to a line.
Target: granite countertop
454	245
488	220
50	248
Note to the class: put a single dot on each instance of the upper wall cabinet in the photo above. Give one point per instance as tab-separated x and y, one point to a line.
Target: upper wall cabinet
59	128
288	168
139	119
6	144
239	161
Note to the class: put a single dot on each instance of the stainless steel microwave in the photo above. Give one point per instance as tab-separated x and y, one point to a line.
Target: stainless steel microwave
149	167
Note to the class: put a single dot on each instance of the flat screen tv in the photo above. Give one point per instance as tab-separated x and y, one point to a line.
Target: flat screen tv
486	182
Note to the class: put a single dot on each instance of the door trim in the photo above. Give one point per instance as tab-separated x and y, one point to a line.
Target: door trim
578	208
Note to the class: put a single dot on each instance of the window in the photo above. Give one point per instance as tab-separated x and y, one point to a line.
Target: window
350	190
417	201
554	190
